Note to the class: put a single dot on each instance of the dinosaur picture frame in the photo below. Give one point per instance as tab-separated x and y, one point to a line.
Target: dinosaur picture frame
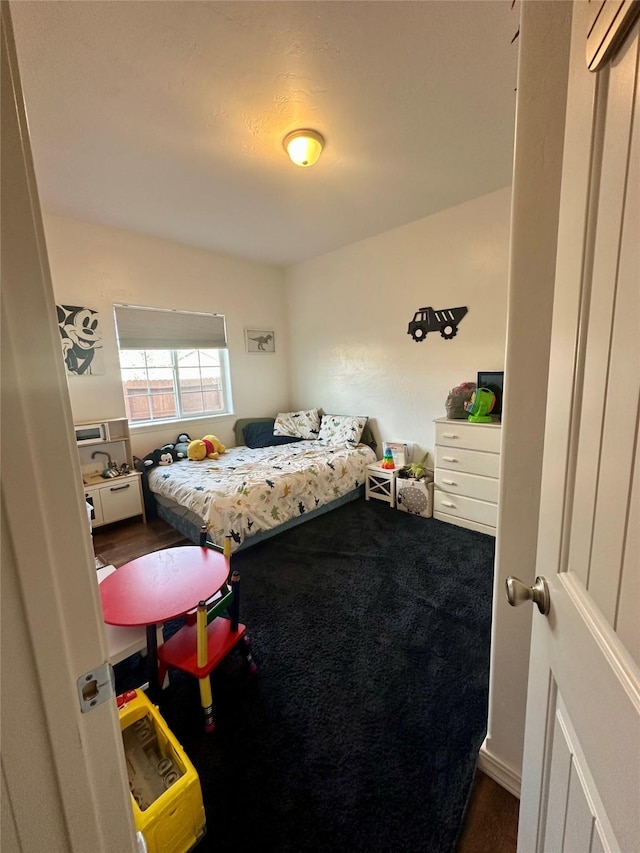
260	340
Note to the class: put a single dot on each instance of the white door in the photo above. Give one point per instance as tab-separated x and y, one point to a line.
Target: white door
581	776
64	782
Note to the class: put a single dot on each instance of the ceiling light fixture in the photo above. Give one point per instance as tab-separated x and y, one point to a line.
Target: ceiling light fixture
304	147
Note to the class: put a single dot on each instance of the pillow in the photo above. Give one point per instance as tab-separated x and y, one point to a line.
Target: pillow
341	429
298	424
260	434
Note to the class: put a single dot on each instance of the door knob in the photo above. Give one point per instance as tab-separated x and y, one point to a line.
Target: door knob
517	593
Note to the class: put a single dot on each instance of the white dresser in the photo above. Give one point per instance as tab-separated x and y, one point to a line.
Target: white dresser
467	472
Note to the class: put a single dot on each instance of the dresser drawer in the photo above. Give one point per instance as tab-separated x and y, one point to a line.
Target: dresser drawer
459	483
463	507
472	436
469	461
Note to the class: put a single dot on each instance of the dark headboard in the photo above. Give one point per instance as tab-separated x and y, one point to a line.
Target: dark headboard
240	424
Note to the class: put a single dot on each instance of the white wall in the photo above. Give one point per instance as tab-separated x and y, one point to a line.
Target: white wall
341	323
349	311
95	266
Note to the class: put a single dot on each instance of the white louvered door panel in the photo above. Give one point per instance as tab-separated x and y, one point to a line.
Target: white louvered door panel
605	463
572	820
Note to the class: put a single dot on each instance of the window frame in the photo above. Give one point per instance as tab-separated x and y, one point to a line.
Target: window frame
181	416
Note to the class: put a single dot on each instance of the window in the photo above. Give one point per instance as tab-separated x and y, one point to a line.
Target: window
165	378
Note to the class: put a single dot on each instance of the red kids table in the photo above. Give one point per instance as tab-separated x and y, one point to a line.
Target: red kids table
160	586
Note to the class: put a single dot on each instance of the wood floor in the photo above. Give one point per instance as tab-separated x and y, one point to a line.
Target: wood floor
491	824
116	544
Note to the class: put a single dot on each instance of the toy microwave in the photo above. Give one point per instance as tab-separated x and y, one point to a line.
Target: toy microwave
90	433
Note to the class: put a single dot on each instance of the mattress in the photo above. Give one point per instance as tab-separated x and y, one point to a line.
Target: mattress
249	491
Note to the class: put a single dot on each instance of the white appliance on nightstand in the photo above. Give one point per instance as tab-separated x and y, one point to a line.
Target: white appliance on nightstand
467	474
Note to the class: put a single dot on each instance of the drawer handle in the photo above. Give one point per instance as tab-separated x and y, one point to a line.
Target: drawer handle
119	488
450	482
449	459
450	435
447	503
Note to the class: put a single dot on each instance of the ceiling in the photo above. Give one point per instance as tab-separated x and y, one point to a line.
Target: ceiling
167	118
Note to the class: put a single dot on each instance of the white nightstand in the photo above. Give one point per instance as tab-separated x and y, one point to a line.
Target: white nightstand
381	483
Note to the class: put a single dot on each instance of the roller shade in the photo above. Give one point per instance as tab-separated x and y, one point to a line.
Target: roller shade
160	328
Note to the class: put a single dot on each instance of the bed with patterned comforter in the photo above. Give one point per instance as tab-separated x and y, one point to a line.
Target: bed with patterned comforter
247	492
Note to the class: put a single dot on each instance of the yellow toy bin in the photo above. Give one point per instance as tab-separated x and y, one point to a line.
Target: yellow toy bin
165	789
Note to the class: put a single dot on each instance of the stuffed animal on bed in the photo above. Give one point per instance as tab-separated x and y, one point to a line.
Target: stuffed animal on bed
218	446
181	447
161	456
208	447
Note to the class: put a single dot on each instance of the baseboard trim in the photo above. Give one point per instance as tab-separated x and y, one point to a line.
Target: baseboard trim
499	772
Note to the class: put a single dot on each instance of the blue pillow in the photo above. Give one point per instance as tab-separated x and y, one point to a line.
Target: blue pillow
260	434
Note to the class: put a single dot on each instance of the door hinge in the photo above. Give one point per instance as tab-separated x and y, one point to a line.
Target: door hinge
96	686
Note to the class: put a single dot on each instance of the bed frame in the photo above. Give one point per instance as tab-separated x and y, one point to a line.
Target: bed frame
191	526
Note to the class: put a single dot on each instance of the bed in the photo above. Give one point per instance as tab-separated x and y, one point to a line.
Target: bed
252	493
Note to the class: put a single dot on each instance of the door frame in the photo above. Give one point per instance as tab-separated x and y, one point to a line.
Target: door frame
64	781
543	61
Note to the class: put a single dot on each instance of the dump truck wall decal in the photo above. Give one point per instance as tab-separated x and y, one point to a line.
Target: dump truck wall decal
444	320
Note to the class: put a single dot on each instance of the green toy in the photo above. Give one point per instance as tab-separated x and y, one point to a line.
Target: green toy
480	405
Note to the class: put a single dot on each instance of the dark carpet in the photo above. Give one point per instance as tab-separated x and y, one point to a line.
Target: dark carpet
361	729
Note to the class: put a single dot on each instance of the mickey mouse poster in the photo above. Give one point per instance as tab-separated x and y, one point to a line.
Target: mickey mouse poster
81	340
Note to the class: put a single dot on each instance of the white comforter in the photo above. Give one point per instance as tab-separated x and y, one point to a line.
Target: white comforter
247	491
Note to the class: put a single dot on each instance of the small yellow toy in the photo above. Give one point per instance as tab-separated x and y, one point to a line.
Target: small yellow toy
208	447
